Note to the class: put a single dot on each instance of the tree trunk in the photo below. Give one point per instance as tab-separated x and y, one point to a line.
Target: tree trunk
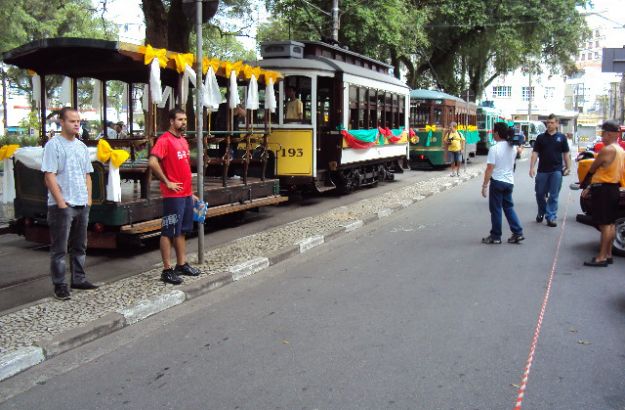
178	28
156	24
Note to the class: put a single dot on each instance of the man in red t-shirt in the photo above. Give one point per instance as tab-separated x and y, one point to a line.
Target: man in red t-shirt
170	161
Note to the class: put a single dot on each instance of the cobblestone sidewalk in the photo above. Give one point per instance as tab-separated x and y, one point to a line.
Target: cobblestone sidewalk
49	317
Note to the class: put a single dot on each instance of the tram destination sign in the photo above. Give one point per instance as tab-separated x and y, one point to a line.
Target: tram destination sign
613	60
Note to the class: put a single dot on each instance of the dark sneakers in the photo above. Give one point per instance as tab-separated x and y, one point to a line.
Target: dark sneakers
61	292
539	218
186	270
170	276
516	238
489	240
551	223
86	285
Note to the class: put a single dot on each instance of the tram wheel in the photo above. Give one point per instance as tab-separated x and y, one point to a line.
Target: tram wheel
618	245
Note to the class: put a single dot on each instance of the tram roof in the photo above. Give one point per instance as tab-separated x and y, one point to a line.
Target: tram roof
423	94
93	58
80	57
327	64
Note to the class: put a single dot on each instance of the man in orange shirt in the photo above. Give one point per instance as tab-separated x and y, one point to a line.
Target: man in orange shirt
604	176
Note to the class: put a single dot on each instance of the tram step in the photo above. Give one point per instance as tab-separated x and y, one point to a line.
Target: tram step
324	186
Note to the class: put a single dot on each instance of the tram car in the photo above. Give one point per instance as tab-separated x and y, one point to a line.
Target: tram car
486	118
127	204
342	119
431	112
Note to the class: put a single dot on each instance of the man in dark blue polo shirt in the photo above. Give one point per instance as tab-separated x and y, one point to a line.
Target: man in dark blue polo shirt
551	149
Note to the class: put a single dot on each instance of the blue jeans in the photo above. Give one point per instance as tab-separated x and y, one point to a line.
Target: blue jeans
500	197
547	189
68	226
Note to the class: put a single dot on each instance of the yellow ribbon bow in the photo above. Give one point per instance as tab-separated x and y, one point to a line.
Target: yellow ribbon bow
271	75
429	128
472	128
152	53
229	67
249	71
213	62
7	151
105	154
460	127
183	60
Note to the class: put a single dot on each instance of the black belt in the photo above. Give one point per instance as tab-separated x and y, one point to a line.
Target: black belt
605	183
76	206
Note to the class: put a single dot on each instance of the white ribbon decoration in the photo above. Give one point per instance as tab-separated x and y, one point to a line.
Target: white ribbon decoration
144	98
65	97
252	103
167	96
211	95
36	81
8	182
125	97
114	184
233	97
187	77
96	98
270	97
155	82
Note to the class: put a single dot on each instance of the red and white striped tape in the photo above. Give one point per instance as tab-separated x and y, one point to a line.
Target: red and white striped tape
543	308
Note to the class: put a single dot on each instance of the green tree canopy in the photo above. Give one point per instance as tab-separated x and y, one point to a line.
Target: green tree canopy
453	44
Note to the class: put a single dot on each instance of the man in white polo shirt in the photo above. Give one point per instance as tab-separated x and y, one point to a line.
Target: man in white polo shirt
499	176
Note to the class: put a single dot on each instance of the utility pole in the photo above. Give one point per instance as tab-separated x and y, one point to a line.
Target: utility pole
5	114
199	118
335	20
529	96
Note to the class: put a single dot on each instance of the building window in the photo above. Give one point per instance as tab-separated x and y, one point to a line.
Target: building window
596	55
597	44
583	57
590	56
502	91
549	93
596	33
527	92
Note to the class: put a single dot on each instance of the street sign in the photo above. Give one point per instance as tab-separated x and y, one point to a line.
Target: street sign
613	60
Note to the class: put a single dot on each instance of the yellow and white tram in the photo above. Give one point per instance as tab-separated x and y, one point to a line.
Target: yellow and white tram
342	119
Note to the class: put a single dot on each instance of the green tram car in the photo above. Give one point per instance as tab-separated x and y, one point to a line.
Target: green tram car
486	119
431	112
352	130
136	214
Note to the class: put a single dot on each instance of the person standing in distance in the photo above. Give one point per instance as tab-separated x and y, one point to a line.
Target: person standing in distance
454	141
551	149
499	175
602	182
66	166
170	161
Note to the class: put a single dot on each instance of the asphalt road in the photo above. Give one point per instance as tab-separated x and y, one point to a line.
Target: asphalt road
411	312
26	278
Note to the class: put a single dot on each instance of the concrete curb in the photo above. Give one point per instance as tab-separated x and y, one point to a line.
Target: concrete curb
72	338
248	268
148	307
310	242
21	359
205	285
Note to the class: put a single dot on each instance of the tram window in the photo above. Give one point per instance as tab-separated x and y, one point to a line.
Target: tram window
401	101
388	110
353	107
373	118
362	107
438	116
380	112
297	100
